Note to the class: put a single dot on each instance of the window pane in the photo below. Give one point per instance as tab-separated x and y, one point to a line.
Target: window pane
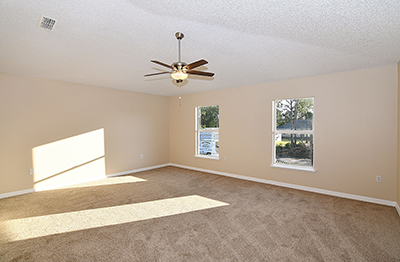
295	114
294	149
209	143
209	117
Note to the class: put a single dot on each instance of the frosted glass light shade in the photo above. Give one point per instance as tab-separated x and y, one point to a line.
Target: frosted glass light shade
179	75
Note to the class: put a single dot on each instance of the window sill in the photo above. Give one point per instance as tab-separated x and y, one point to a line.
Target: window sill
301	168
207	157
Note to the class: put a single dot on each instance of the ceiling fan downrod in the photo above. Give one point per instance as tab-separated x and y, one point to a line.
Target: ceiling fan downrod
179	36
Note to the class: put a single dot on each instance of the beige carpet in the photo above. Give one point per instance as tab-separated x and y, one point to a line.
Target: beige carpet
173	214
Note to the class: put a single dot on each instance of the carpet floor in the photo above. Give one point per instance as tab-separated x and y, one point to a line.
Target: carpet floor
174	214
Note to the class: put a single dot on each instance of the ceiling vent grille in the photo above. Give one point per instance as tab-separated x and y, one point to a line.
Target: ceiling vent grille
47	23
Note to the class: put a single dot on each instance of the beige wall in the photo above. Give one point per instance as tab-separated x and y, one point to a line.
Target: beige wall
355	131
398	135
35	112
355	128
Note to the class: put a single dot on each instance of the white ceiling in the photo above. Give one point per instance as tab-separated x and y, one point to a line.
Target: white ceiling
110	43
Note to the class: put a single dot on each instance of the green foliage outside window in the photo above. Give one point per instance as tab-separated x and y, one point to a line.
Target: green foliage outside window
291	110
209	117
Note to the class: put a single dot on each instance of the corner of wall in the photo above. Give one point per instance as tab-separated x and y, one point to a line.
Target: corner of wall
398	138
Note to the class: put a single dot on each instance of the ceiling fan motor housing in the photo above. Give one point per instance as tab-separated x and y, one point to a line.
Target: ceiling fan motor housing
179	66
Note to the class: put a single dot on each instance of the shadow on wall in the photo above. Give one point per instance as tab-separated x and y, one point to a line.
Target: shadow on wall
69	161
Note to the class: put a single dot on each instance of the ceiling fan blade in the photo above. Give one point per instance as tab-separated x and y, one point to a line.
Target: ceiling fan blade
200	73
161	63
196	64
157	73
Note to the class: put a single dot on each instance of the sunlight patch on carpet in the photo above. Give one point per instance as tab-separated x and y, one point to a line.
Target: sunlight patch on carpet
33	227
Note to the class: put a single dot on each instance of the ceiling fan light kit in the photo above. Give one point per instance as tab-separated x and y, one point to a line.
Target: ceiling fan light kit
180	70
179	75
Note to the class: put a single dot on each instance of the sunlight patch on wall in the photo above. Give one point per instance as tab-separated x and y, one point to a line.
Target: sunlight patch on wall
108	181
32	227
69	161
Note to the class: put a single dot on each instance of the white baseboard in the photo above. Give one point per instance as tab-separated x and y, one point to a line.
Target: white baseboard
17	193
138	170
31	190
304	188
397	208
61	185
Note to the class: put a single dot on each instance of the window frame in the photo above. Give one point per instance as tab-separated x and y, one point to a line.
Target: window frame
275	131
198	130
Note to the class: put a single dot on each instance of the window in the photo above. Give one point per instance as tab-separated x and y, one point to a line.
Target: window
293	133
207	131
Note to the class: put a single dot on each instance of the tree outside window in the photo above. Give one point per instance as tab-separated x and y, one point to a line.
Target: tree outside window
293	132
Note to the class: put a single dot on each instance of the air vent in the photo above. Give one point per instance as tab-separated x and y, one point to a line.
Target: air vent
47	23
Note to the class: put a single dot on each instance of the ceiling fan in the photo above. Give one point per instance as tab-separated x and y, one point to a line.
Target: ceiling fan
180	70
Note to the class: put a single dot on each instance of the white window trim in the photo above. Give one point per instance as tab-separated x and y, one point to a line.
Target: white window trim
301	168
197	135
208	157
275	131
